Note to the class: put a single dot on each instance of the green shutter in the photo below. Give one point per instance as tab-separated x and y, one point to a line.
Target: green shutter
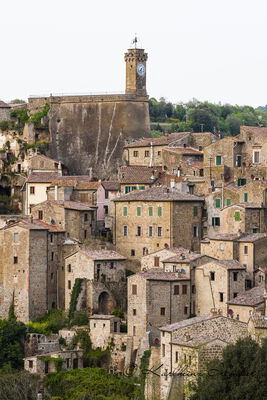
150	211
133	187
141	187
195	211
218	160
218	203
245	197
125	211
237	216
139	211
228	202
159	211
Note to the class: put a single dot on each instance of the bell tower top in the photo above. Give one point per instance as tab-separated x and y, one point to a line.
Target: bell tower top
135	60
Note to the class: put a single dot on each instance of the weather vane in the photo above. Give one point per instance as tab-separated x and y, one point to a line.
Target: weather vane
135	42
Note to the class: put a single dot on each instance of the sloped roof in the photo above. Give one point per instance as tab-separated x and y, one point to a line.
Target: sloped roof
184	150
229	264
72	205
161	141
112	186
34	225
251	297
159	193
42	177
102	254
4	105
139	174
195	340
163	276
256	130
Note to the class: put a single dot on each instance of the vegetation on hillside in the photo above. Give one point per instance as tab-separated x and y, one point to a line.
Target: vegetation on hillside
240	375
203	116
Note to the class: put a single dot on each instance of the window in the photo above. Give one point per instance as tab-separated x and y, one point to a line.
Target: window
69	284
228	202
245	197
159	153
237	215
85	217
201	172
241	181
106	210
112	265
51	238
32	190
221	246
150	211
134	311
162	311
176	289
15	260
235	275
218	203
163	350
145	251
134	330
195	231
184	289
85	234
212	275
218	160
189	360
135	153
146	153
52	256
30	363
176	357
159	211
256	157
195	211
150	231
141	187
246	250
16	237
221	297
139	231
125	230
185	310
40	214
138	211
159	231
127	189
125	211
238	160
133	188
193	289
255	230
69	267
235	294
216	221
156	261
134	289
52	276
132	252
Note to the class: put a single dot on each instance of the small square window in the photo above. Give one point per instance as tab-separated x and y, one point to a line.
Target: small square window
134	289
156	261
135	153
133	252
221	297
228	202
15	260
218	160
176	289
184	289
212	275
146	153
162	311
32	190
235	275
134	311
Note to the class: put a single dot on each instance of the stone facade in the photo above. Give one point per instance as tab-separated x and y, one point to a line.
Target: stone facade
246	217
216	283
4	111
156	218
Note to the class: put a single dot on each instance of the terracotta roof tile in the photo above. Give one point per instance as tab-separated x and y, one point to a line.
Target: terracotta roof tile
229	264
42	177
163	140
139	174
254	130
102	254
184	150
4	105
251	297
159	193
72	205
163	276
112	186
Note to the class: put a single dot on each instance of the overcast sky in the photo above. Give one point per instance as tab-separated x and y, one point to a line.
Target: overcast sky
206	49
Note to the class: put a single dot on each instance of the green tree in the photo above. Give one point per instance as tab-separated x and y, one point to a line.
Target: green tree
17	101
12	336
240	375
202	119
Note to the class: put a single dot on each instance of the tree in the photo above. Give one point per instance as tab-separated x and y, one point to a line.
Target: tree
240	375
17	101
12	336
202	119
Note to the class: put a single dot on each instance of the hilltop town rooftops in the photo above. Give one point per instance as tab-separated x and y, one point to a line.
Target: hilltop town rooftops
72	205
111	186
228	264
102	316
182	255
102	254
35	225
243	237
251	297
195	320
42	177
163	276
161	141
4	105
254	130
159	193
139	174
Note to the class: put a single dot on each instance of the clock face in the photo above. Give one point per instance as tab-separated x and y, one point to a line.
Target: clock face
141	69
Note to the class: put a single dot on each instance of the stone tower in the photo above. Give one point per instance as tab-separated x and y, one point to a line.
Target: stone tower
136	71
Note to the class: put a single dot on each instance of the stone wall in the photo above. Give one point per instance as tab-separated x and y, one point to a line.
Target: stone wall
90	131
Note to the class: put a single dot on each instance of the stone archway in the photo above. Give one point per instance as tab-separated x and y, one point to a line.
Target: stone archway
105	303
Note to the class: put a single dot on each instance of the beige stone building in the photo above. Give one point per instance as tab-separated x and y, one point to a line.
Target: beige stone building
99	269
183	161
245	304
248	249
138	178
187	345
217	282
29	260
156	218
155	299
77	219
243	217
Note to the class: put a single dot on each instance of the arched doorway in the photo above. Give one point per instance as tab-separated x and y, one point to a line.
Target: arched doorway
105	303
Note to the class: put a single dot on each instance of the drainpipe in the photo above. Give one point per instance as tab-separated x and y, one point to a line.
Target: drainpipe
56	192
151	154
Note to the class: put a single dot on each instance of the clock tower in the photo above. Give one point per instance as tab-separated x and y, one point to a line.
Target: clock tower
136	71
